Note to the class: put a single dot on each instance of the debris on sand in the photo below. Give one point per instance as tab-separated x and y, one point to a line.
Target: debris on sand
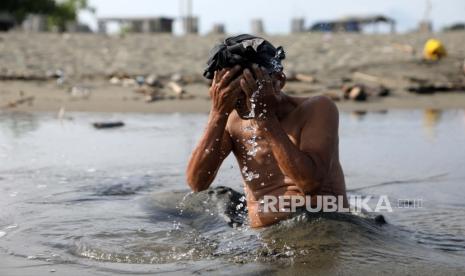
360	92
435	87
153	81
80	92
103	125
150	93
22	100
426	86
434	50
355	92
178	90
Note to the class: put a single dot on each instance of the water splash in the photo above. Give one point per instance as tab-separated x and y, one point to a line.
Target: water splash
253	100
249	175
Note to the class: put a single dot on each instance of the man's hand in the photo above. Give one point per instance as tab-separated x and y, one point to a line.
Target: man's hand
268	90
225	90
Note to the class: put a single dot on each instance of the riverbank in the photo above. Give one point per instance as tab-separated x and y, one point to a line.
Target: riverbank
136	73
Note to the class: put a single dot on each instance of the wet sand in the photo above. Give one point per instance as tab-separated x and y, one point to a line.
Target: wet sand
105	98
89	61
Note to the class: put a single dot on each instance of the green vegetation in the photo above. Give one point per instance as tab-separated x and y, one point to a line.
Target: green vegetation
59	12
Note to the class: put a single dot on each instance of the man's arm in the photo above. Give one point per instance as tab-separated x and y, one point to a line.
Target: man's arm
215	144
309	164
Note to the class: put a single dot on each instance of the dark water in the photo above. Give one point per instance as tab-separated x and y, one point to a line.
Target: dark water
115	201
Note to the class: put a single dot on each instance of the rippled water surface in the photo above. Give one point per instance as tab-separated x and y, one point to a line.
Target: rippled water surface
73	198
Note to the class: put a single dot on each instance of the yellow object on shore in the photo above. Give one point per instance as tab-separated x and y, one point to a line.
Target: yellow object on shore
434	50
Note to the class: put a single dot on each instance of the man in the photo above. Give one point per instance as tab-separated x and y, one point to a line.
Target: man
285	146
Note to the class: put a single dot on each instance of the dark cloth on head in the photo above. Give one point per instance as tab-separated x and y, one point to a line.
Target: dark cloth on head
244	50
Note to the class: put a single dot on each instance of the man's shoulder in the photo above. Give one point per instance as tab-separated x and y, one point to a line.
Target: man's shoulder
321	105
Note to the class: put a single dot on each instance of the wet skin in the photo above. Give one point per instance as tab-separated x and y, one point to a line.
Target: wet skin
297	140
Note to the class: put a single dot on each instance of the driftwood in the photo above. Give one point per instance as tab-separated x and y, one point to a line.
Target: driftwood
360	92
101	125
29	100
150	93
433	88
425	86
177	89
22	77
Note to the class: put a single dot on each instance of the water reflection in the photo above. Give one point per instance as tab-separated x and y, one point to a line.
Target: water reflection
19	123
358	115
121	197
431	118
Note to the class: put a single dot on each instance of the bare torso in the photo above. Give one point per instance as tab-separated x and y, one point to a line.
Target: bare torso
295	151
270	180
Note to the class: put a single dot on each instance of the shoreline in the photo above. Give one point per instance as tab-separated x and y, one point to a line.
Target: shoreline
150	73
48	97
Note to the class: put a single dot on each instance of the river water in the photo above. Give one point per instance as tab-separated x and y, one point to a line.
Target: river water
116	201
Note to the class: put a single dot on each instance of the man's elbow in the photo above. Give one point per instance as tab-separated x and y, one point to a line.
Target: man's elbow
196	184
312	181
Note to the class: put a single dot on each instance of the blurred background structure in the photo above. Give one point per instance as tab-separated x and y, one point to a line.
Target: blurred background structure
203	17
149	55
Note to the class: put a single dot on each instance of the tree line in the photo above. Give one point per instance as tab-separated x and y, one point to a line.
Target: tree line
59	13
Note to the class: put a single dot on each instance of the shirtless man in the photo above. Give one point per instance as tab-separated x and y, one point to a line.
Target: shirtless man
296	150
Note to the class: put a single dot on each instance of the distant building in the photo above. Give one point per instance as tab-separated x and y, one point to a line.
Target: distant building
425	26
35	23
297	25
7	22
257	26
455	27
190	24
352	24
139	25
218	29
76	27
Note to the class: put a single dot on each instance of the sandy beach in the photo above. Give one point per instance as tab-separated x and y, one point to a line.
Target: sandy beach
73	72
